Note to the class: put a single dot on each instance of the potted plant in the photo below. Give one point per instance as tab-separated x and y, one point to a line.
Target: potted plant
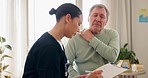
3	55
126	54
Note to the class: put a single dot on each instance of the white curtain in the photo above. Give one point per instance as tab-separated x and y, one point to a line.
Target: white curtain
120	19
13	26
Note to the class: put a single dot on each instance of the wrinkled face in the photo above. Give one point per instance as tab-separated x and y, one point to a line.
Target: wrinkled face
73	26
97	20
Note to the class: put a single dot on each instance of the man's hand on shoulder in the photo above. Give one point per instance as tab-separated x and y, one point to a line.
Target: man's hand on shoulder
87	34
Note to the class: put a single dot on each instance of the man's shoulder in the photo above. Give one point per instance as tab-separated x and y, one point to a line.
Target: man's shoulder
76	38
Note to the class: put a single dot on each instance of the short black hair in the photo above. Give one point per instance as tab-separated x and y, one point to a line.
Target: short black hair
66	8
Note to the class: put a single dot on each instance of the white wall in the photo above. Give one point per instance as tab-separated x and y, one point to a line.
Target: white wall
140	34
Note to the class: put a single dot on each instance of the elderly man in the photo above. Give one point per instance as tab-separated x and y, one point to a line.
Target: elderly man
93	47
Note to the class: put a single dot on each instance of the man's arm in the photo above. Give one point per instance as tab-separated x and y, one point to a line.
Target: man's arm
70	54
108	50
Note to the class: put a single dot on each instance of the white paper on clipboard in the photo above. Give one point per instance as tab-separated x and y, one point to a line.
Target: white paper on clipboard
110	71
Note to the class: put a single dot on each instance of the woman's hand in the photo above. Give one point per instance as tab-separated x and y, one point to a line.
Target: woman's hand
94	74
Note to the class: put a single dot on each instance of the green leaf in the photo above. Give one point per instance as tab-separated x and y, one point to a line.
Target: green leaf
2	39
8	47
8	72
125	45
7	76
1	51
134	54
0	67
4	67
4	56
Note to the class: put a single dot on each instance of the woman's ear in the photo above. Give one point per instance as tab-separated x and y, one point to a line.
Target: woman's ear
68	18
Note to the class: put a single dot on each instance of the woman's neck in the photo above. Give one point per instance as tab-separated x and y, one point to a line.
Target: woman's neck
57	32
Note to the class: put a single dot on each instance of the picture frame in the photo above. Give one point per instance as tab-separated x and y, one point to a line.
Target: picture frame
124	64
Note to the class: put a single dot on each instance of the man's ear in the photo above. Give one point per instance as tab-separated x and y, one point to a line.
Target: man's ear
68	18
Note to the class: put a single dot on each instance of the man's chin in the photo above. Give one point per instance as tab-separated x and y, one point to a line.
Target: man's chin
96	32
